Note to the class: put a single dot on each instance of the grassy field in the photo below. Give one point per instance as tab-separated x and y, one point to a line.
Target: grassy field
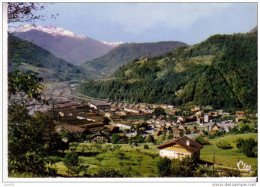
140	162
136	161
228	157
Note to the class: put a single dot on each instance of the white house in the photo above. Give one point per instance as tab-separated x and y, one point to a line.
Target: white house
180	148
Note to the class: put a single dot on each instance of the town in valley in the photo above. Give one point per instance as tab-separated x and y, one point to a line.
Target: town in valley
131	90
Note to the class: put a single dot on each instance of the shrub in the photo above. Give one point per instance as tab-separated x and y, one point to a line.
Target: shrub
160	139
223	144
71	161
115	138
108	172
201	140
164	167
121	155
244	128
247	146
149	138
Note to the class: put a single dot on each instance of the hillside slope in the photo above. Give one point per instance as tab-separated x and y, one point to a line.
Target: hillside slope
121	55
34	58
220	71
70	47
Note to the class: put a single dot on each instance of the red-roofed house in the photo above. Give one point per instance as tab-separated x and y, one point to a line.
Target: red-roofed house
180	148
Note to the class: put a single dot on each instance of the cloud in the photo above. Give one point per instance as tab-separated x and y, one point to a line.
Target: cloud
136	17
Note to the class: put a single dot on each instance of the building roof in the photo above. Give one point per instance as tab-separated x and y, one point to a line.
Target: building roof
192	148
157	133
73	128
128	108
215	124
113	128
240	112
100	103
68	104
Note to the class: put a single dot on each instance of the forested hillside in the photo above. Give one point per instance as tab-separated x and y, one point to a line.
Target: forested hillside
34	58
124	53
220	71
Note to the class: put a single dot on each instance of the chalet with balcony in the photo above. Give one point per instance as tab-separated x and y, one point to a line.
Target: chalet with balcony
180	148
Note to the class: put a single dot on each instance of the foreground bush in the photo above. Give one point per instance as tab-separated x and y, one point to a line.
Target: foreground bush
247	146
223	144
201	140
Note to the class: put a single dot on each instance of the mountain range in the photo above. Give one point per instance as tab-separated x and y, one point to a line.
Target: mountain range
31	57
64	44
220	71
107	64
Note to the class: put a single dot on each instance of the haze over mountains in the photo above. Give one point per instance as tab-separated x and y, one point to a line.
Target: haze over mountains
64	44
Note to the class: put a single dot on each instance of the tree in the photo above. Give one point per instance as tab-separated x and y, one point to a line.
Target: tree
25	12
149	138
71	161
201	140
159	111
247	146
108	172
115	138
164	167
106	121
161	139
29	137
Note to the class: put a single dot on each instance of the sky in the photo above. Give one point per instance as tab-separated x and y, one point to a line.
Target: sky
151	22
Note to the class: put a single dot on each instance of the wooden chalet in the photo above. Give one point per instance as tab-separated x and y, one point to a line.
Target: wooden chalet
180	148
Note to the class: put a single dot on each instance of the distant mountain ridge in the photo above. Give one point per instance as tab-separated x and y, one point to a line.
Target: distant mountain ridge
107	64
255	29
54	31
220	71
62	43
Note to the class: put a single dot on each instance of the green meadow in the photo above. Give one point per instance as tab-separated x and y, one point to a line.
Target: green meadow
139	162
228	157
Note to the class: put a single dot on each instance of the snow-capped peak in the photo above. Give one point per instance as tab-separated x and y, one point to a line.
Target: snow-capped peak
55	31
113	44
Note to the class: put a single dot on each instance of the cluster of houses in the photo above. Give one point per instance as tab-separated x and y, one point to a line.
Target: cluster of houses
157	125
140	107
91	115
